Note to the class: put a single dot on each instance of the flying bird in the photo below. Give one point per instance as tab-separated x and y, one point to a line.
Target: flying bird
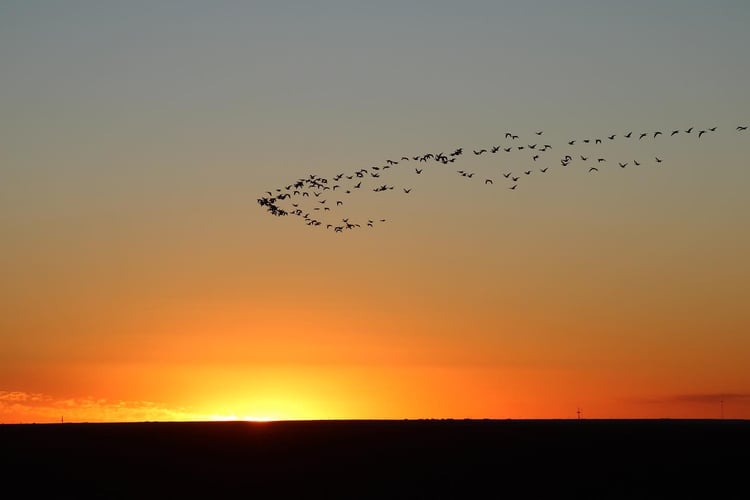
658	160
701	133
741	127
674	132
488	181
592	169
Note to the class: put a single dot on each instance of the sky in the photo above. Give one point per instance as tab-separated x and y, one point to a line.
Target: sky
141	280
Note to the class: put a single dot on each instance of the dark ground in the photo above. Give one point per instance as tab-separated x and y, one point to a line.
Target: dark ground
381	459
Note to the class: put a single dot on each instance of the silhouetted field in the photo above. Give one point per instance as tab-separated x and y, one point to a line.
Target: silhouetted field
382	459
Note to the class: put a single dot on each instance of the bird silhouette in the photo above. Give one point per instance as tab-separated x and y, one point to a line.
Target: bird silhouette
317	185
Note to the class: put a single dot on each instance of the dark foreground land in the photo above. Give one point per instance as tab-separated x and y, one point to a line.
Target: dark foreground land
381	459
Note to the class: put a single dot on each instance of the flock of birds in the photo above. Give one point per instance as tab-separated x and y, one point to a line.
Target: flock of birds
315	199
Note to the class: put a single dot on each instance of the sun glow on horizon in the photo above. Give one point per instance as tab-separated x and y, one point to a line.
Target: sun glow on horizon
245	418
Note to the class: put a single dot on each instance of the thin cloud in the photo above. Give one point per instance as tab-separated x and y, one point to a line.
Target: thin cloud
20	406
703	398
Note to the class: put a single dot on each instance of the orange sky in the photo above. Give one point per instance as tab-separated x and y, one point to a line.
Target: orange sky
142	281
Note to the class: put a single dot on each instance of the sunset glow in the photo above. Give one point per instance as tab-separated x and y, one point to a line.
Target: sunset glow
142	281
